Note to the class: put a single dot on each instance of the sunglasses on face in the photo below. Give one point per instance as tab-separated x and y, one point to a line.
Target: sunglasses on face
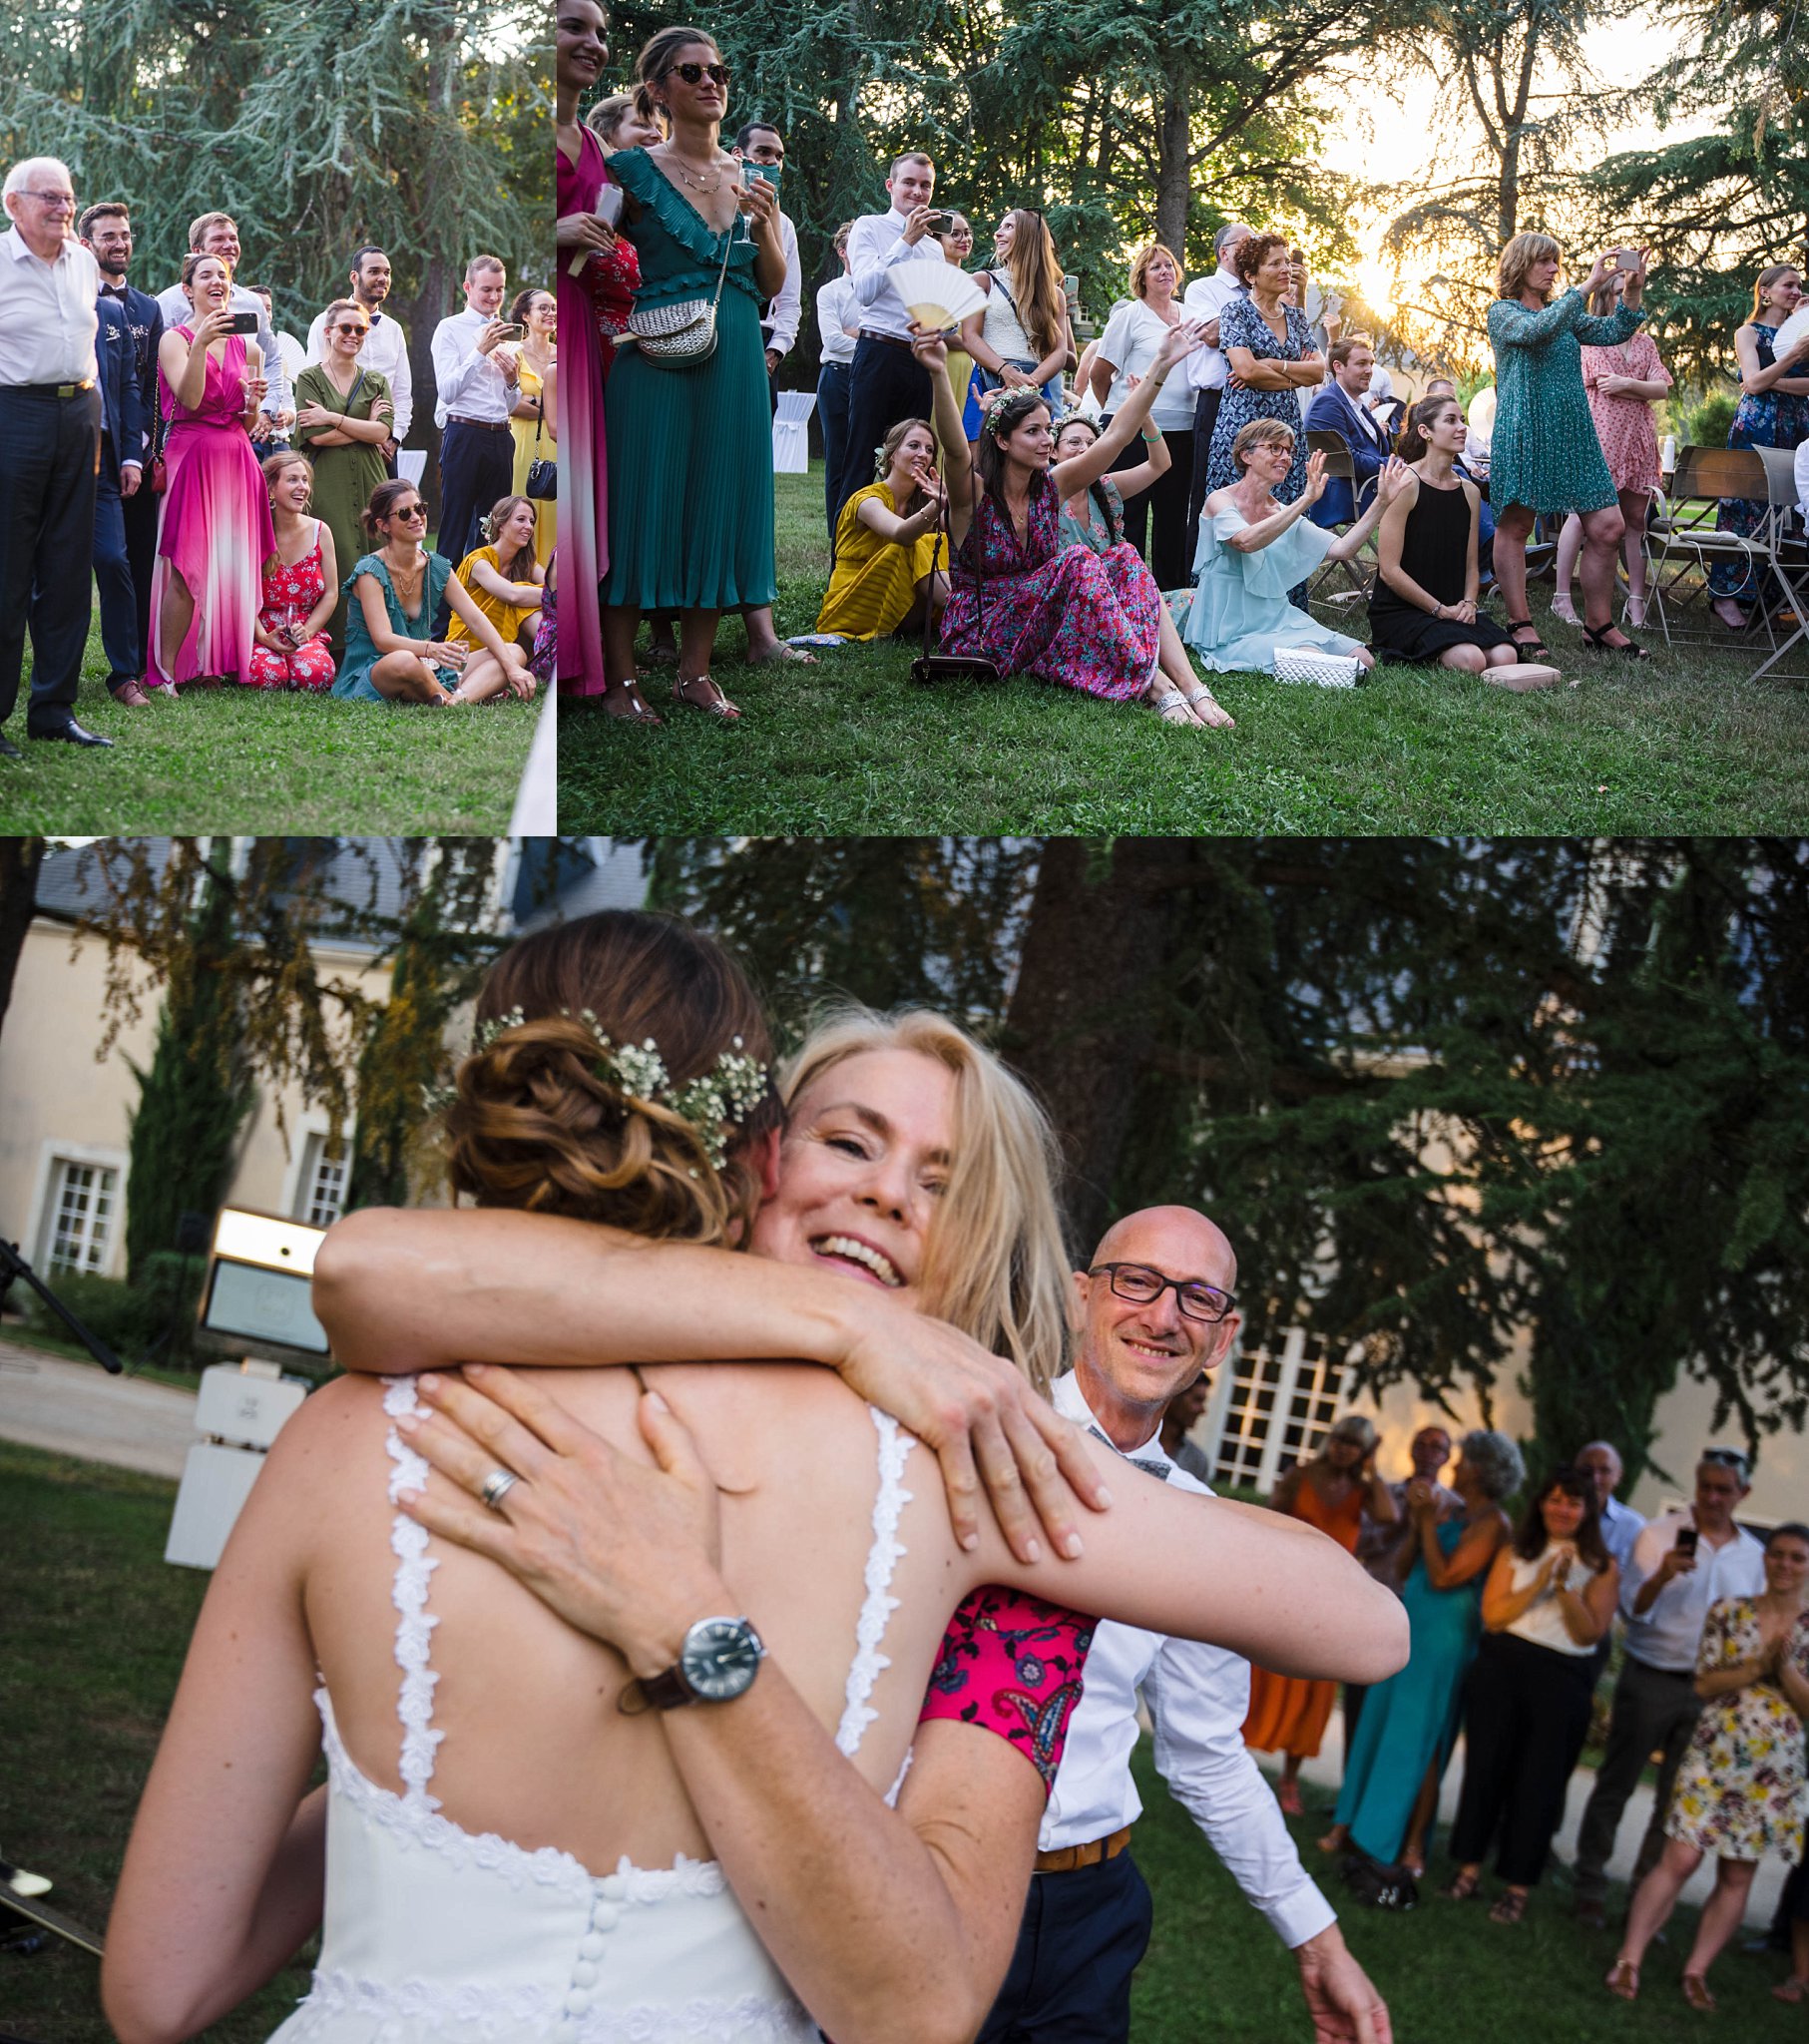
410	511
350	326
696	74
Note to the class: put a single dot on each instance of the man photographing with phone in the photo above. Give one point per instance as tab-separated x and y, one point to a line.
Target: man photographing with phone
1684	1561
475	370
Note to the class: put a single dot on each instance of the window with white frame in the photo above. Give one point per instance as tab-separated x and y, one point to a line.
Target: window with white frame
322	1186
1281	1407
84	1204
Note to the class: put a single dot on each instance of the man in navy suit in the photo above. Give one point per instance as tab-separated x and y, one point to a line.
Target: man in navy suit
121	479
1338	408
106	230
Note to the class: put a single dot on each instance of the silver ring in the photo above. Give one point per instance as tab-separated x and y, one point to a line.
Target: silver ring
497	1486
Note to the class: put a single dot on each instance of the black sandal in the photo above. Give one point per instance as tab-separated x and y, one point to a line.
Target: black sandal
1598	642
1530	649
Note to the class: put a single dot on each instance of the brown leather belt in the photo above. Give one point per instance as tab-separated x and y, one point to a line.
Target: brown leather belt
482	425
1090	1854
890	340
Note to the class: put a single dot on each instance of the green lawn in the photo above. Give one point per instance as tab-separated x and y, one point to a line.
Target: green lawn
96	1629
1682	743
252	762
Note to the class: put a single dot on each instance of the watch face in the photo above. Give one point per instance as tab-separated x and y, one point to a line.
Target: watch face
720	1658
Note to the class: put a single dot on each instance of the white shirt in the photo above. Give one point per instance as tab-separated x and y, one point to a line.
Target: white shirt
1620	1527
1802	480
1542	1623
876	244
779	324
1204	299
385	350
1198	1698
1133	338
1667	1636
837	309
47	318
178	311
466	383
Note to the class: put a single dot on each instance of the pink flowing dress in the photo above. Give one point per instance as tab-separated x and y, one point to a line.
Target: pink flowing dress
216	530
583	525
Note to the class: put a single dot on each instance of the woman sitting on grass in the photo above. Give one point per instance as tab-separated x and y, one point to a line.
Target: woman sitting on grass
504	579
1424	605
1254	550
885	543
301	585
392	594
1095	517
1020	597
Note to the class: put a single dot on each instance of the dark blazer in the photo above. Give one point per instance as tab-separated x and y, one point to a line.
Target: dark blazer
1331	411
122	392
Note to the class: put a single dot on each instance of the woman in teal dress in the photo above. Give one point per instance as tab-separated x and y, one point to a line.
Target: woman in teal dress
1409	1723
1545	456
690	448
1254	550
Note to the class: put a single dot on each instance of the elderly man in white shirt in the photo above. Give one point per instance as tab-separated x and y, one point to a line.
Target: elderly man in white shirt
1207	368
886	383
216	234
1155	1310
386	348
50	443
474	378
1681	1563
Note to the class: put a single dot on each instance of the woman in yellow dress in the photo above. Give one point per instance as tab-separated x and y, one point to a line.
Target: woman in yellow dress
885	543
537	313
504	579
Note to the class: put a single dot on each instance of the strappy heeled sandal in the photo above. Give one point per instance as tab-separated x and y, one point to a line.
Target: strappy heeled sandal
719	706
1461	1887
1510	1908
1695	1992
1623	1980
1529	649
637	711
1598	642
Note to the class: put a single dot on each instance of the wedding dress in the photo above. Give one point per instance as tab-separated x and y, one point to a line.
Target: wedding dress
435	1933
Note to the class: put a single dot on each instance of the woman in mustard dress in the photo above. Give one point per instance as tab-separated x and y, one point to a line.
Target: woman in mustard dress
504	579
886	544
1740	1789
537	313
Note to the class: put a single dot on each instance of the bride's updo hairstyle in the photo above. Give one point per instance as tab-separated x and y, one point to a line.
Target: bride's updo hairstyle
545	1118
995	1265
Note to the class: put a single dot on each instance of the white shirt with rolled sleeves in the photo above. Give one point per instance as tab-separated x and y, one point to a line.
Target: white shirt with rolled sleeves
779	323
466	383
177	311
386	351
1669	1633
1198	1697
1204	299
875	244
48	322
837	309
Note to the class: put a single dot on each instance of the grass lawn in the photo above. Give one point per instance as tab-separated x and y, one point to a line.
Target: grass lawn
96	1632
1682	743
256	762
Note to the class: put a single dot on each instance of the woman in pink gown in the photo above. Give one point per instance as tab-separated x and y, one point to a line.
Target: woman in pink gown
582	476
216	532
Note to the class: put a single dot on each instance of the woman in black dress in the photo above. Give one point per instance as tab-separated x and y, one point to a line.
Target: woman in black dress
1424	603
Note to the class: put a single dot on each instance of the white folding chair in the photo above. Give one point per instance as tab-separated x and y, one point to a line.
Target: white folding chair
1790	551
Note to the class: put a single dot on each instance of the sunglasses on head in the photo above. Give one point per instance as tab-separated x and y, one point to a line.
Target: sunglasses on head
696	74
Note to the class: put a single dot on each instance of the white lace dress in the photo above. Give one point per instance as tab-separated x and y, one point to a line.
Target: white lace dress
434	1933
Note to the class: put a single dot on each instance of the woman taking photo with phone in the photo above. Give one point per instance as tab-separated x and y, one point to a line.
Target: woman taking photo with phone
216	532
534	424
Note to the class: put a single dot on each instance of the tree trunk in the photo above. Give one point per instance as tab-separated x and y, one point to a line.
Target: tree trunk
20	860
1172	176
1092	948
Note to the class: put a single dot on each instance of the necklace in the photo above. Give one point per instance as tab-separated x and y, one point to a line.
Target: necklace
694	181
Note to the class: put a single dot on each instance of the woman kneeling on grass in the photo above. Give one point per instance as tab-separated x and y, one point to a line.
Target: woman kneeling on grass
885	543
1254	550
392	595
1085	620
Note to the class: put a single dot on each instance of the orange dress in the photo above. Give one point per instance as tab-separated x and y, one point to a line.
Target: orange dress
1288	1714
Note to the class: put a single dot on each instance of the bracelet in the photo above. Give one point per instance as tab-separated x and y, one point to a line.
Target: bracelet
1149	437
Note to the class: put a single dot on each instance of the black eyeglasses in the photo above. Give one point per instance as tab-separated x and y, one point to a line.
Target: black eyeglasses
1144	1286
696	74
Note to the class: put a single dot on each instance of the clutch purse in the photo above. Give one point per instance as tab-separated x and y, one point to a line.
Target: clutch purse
1305	664
683	334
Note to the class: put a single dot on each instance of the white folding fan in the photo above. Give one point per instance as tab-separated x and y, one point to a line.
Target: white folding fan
936	295
1792	333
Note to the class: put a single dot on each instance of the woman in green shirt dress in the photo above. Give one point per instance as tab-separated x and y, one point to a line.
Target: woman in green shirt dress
1545	456
343	418
690	448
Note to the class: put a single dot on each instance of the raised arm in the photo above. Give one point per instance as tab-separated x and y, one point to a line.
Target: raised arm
1474	1553
1080	470
1391	478
932	350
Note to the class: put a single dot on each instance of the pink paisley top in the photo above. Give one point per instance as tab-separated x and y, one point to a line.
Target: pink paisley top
1013	1665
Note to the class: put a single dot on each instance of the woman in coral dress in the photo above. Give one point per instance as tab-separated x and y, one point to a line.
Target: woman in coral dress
216	533
1288	1714
300	583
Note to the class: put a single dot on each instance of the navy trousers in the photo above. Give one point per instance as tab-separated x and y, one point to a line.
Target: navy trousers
477	467
1081	1938
832	414
113	576
886	383
49	450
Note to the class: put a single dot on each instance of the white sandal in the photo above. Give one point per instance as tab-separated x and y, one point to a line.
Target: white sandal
1203	695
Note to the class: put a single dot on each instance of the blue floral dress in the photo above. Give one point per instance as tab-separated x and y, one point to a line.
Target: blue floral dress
1741	1789
1772	419
1242	326
1543	453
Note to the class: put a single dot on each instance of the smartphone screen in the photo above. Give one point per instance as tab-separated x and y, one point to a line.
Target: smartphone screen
1686	1539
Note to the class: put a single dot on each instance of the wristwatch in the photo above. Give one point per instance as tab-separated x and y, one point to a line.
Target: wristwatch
717	1663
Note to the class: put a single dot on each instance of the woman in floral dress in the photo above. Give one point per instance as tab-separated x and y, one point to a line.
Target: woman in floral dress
1269	348
1020	597
1740	1789
301	585
1773	412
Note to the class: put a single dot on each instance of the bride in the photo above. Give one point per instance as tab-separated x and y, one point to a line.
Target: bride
514	1844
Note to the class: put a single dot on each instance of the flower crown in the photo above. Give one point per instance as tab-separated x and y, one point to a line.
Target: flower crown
715	1102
